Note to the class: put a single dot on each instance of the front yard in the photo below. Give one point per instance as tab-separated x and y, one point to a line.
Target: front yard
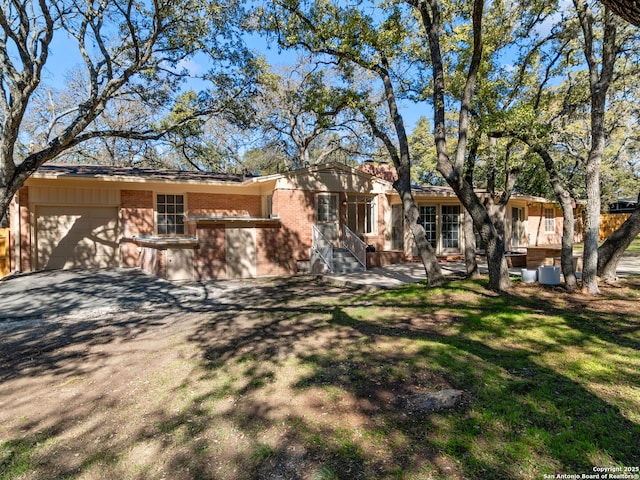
297	379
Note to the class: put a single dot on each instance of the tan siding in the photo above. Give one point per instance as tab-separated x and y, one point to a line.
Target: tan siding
74	196
210	256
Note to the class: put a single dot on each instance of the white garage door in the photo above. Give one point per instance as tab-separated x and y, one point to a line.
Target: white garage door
77	237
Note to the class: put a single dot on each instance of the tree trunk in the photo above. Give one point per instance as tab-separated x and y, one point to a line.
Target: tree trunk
425	250
568	221
592	225
627	9
470	261
494	243
411	213
600	78
402	162
612	249
453	171
566	253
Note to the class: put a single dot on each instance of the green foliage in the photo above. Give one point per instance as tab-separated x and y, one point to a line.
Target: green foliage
423	155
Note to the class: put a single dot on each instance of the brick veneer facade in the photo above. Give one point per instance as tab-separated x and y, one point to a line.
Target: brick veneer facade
224	205
136	218
24	237
279	244
296	209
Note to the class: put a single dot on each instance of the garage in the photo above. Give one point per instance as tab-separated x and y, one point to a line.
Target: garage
76	237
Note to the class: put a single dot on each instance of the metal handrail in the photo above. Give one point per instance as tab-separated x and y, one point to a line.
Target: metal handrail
355	245
326	252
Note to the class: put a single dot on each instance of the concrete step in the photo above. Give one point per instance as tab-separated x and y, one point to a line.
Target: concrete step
345	262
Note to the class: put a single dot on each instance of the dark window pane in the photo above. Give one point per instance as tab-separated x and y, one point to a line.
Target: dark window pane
179	208
162	229
180	229
161	208
171	208
179	198
170	199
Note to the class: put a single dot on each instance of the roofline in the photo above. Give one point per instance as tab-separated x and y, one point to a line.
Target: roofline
42	173
338	165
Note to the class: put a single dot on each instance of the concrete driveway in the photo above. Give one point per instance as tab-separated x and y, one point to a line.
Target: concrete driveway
88	294
91	293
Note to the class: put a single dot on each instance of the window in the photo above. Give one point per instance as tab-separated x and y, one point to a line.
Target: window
170	217
361	214
327	208
549	220
428	220
451	227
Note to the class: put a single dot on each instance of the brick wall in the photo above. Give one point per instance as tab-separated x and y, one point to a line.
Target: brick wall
296	209
136	217
385	171
26	261
276	251
224	205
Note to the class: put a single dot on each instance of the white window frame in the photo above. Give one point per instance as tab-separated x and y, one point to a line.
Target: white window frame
549	220
518	226
430	225
370	208
444	241
331	213
170	213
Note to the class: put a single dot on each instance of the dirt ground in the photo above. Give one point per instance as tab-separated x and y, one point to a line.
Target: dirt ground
119	375
101	373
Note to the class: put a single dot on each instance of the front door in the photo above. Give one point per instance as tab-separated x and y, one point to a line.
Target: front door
327	218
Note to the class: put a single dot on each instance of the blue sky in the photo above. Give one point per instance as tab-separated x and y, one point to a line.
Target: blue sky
64	57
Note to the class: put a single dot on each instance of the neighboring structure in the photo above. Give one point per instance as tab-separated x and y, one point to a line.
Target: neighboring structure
190	225
623	205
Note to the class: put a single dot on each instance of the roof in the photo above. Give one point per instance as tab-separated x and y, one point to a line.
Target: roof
133	174
104	172
137	174
445	191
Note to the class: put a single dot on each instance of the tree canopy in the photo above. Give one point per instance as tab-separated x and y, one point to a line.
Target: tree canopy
128	53
533	97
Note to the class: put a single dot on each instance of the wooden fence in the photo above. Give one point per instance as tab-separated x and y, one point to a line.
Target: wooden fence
609	222
5	262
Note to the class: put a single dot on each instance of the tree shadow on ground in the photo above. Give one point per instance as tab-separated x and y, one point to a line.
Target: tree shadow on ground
297	379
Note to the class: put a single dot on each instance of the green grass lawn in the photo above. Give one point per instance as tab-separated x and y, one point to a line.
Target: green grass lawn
633	249
318	385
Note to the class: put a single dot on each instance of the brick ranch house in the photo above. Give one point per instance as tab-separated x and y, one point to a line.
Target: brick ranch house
198	226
